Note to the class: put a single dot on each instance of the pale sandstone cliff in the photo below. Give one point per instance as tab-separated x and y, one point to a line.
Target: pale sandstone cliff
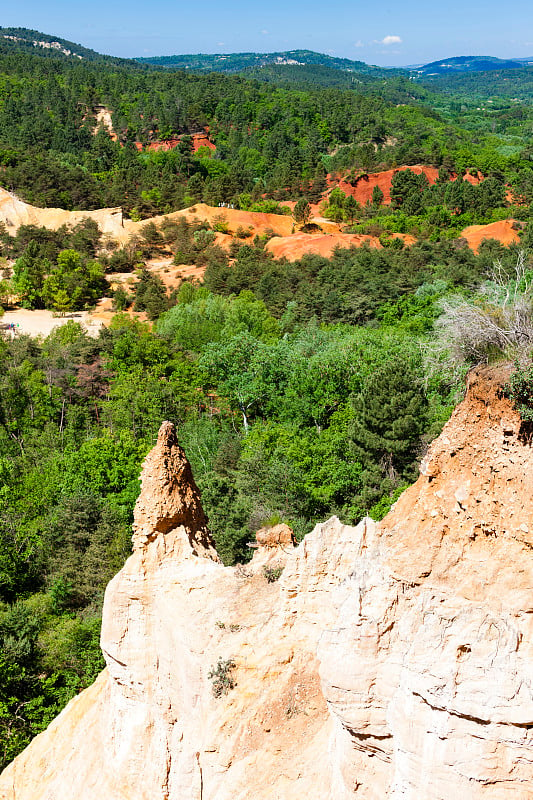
389	661
15	212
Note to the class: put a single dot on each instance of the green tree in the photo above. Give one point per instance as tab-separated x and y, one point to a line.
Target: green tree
234	366
29	272
390	416
150	295
302	211
377	196
351	207
61	301
73	282
407	189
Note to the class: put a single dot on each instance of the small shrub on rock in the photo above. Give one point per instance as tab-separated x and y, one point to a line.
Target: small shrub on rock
272	573
222	677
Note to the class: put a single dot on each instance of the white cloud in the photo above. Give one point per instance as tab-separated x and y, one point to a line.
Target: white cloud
387	40
359	43
265	32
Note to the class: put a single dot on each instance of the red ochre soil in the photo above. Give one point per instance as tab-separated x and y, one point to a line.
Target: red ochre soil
504	231
299	244
198	140
362	187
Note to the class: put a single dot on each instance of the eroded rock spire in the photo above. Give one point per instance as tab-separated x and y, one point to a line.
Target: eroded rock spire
169	507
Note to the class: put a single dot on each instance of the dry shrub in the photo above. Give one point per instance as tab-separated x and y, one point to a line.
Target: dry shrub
497	322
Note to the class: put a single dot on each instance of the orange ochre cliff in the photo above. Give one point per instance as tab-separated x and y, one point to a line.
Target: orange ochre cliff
390	660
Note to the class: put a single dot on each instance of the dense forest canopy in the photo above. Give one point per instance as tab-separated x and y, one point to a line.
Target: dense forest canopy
300	389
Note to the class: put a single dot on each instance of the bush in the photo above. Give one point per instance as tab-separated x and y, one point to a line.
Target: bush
244	233
121	299
220	224
272	573
497	322
270	207
222	677
519	389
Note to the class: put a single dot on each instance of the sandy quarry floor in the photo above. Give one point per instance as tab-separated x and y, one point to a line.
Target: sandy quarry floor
41	323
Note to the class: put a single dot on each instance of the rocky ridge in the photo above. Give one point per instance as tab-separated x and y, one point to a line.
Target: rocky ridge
388	661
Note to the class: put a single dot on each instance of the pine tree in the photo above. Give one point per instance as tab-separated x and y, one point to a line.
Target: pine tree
150	295
391	415
377	196
302	211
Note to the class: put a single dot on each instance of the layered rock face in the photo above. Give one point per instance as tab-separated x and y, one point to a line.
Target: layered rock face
429	670
388	661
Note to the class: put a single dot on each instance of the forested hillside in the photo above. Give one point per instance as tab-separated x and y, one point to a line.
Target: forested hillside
25	40
238	62
300	388
268	137
462	64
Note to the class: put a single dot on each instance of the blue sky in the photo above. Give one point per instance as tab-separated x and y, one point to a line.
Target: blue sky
385	32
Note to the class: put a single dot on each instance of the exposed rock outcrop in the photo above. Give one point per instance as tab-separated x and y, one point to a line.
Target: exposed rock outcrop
388	661
504	231
299	244
15	212
275	536
168	508
361	188
429	668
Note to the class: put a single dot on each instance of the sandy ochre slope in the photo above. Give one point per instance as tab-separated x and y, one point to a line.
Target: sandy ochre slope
14	213
504	231
299	244
288	242
390	660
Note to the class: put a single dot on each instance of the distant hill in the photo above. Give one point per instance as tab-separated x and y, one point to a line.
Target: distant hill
16	40
238	62
281	66
449	66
